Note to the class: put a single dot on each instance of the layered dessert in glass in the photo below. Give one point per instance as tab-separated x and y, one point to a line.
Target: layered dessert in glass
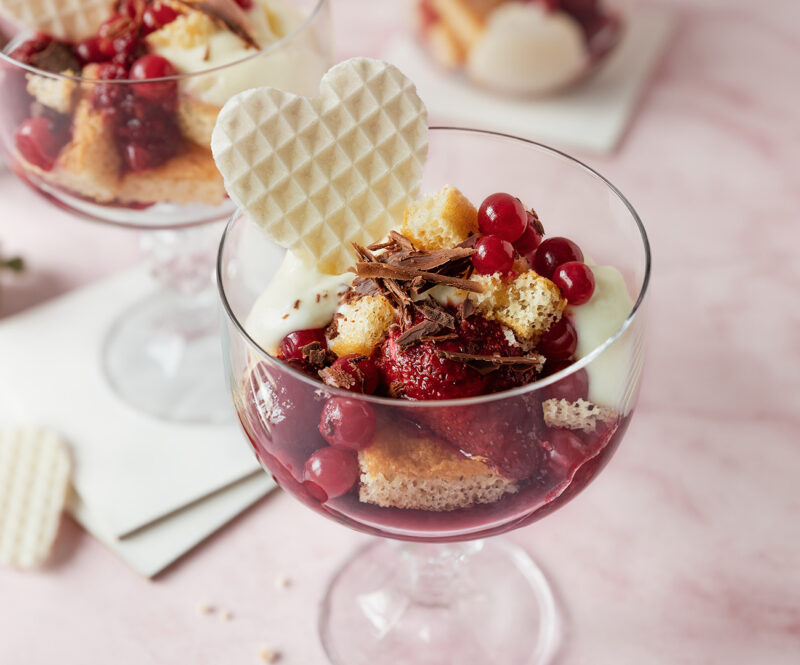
117	124
519	47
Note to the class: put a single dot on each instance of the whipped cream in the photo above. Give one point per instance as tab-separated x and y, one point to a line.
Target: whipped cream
296	67
596	321
297	298
528	50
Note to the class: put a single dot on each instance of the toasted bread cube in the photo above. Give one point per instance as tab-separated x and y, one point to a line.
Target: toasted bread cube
580	414
529	304
444	46
54	93
360	325
465	24
197	120
89	164
440	221
189	177
406	468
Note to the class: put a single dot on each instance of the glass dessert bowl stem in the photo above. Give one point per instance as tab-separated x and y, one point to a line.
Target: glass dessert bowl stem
162	355
479	602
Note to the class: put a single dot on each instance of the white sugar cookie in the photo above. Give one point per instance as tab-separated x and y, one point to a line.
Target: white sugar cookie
34	478
319	174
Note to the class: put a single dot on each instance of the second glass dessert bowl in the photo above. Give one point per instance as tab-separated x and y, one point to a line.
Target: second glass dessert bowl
117	129
435	592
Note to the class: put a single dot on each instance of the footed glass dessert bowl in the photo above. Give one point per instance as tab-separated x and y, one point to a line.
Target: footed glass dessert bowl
473	373
116	127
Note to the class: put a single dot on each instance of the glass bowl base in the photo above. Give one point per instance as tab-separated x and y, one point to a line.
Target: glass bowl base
163	357
476	603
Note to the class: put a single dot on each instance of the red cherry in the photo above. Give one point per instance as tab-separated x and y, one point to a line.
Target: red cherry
363	371
502	215
247	5
565	449
560	340
576	281
493	254
39	142
157	15
572	387
552	253
154	67
530	239
138	157
291	346
90	50
329	473
347	423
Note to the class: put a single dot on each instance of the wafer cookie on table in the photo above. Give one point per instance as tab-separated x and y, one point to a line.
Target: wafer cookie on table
34	480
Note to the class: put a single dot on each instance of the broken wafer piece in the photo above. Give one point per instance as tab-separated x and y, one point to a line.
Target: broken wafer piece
34	479
69	20
320	174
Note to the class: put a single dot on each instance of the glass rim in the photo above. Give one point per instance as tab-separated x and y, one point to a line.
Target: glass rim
274	46
480	399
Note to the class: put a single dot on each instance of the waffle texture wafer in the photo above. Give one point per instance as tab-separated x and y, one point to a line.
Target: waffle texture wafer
70	20
34	477
319	174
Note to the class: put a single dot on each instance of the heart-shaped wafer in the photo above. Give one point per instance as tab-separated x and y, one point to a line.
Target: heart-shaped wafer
319	174
70	20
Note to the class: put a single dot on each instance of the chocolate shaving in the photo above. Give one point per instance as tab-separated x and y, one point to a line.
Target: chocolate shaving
414	335
402	274
297	303
332	331
485	364
228	15
533	218
397	389
429	260
438	315
337	378
315	355
439	338
466	309
401	240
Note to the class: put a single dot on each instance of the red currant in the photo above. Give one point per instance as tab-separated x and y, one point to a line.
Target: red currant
530	239
572	387
347	423
154	67
330	473
576	281
90	50
291	346
502	215
552	253
560	341
39	142
363	371
157	15
493	254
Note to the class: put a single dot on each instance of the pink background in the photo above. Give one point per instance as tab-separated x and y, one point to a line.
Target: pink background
685	550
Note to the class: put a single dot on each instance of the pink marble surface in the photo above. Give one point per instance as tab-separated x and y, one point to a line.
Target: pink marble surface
685	550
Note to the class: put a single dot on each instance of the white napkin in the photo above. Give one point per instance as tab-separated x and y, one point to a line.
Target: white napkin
591	117
153	548
129	469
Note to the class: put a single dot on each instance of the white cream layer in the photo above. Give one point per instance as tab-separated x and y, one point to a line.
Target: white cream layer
274	314
295	67
595	321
